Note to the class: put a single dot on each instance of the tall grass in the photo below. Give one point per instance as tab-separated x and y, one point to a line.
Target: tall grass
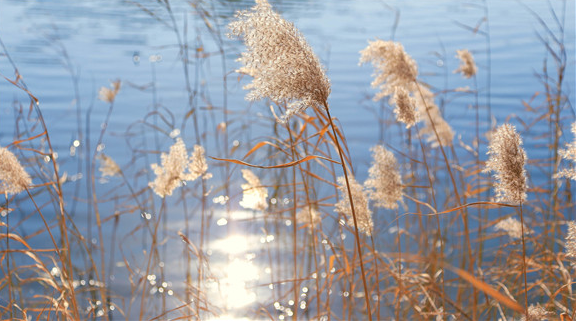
280	226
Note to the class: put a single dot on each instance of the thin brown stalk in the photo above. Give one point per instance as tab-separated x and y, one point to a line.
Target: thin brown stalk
356	233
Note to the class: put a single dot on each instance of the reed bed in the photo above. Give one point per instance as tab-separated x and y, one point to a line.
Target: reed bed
192	224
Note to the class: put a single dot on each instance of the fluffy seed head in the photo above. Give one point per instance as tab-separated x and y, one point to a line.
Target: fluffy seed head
173	172
467	65
405	109
197	165
384	185
254	194
108	166
13	178
393	67
507	160
512	227
109	94
309	216
361	208
445	132
284	67
537	313
569	154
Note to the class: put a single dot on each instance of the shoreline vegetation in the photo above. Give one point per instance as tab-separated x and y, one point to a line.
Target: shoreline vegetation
441	228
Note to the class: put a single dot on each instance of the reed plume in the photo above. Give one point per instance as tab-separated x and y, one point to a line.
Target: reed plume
537	313
108	166
109	94
283	65
444	130
361	206
507	160
13	177
569	154
254	194
393	67
512	227
172	172
309	216
384	184
467	65
197	165
405	109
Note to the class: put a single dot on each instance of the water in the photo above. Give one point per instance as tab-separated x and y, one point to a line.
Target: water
96	42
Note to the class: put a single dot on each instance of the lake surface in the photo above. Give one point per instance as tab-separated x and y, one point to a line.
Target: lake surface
52	42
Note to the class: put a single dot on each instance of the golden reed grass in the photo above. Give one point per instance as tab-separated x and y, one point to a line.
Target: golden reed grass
420	281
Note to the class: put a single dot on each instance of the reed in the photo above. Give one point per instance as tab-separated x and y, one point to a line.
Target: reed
212	212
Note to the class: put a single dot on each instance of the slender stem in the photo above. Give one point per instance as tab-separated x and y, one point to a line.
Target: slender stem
356	233
524	259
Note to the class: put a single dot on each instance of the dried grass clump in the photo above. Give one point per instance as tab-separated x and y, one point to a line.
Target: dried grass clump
109	94
108	166
393	67
405	109
254	194
172	173
444	130
571	242
507	160
512	227
569	154
467	65
284	67
384	185
13	177
361	207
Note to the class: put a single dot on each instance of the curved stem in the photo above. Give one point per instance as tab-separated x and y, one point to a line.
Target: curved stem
356	233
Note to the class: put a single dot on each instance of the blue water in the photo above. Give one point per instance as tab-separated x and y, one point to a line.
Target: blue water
102	41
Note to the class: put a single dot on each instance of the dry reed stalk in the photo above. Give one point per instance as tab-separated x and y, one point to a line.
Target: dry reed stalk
286	70
508	160
65	258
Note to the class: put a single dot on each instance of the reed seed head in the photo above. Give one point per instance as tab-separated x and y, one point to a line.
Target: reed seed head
384	184
172	172
254	194
284	67
108	166
512	227
467	65
569	154
13	177
309	216
197	165
537	313
507	160
425	102
361	207
109	94
393	67
405	109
